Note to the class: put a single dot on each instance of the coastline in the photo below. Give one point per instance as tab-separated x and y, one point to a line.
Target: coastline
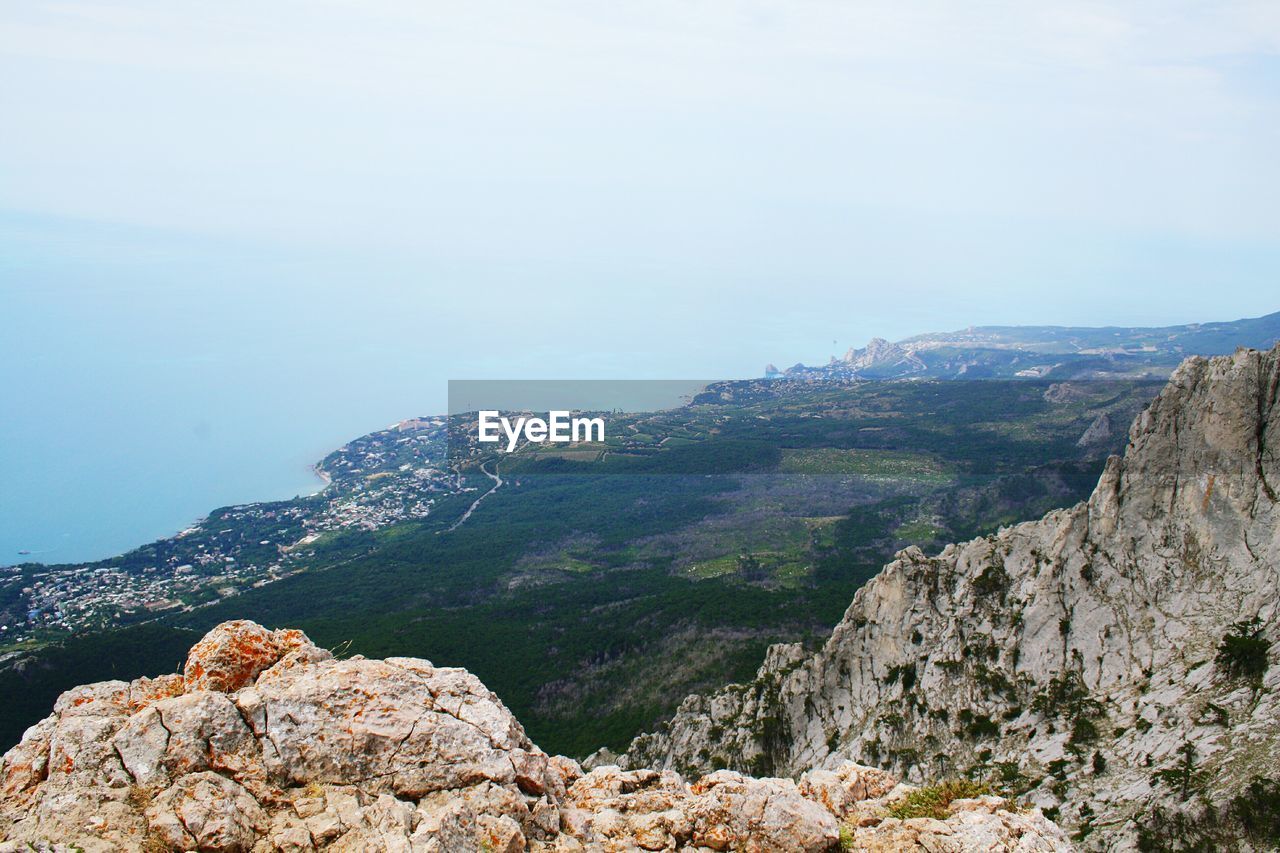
323	476
322	481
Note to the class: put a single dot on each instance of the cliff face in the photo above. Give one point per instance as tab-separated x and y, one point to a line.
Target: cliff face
1111	661
1105	660
268	743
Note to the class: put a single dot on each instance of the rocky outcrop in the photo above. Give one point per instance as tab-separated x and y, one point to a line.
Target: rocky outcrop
1113	661
1035	352
268	743
880	353
1098	432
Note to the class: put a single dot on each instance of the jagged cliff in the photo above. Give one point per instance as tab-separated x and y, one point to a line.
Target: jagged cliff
267	743
1111	661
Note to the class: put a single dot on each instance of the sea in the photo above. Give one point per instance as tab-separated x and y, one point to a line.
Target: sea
148	377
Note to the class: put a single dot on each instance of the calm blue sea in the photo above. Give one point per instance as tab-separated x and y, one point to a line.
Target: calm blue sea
147	378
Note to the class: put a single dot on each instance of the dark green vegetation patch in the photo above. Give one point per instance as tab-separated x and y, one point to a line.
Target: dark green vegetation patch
593	591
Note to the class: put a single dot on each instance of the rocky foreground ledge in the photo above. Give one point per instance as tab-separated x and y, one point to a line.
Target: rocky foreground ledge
266	742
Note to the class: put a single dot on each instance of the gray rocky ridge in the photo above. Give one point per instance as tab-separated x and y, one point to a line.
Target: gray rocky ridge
268	743
1098	432
1111	661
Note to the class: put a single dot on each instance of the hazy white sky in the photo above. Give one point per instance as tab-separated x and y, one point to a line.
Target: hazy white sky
905	166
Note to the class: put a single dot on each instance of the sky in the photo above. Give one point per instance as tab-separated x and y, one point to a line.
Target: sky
234	235
1028	162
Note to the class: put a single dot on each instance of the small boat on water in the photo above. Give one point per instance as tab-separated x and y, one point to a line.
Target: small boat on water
24	553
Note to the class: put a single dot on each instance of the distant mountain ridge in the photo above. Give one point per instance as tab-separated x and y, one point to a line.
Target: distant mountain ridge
1052	352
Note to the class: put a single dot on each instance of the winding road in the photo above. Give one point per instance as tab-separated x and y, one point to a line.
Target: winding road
497	484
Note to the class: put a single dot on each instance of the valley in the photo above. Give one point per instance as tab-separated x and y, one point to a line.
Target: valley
602	582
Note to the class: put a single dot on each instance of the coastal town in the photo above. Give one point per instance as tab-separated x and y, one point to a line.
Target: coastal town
384	478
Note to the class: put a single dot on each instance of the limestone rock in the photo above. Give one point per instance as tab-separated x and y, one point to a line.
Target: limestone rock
382	725
616	809
846	785
313	753
185	734
728	807
206	811
232	655
1097	433
1071	658
979	824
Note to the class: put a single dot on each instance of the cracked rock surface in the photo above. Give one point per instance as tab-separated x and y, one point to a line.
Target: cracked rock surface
293	750
1074	658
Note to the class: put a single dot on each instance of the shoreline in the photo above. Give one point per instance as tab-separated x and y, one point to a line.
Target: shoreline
320	475
323	476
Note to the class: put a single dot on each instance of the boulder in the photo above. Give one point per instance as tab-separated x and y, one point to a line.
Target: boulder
982	824
841	788
205	811
232	654
728	807
267	743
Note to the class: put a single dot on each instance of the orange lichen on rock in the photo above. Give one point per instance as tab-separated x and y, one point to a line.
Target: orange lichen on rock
232	654
144	692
